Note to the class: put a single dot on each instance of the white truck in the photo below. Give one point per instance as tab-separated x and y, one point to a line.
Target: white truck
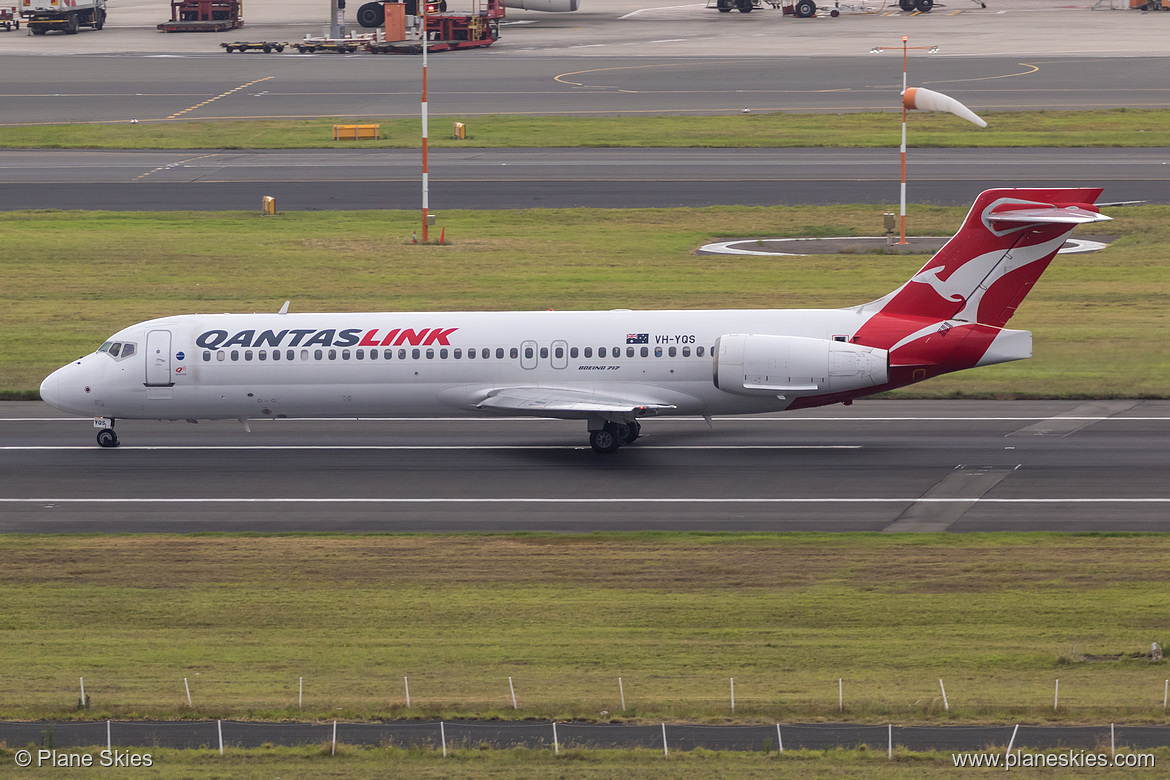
66	15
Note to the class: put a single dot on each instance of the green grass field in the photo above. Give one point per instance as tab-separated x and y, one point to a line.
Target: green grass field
1117	127
73	278
998	617
361	763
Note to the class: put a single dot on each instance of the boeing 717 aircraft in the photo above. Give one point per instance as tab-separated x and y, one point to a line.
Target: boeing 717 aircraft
609	368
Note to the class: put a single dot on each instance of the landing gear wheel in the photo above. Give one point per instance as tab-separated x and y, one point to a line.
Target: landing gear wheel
804	9
371	15
924	6
744	6
906	5
107	438
724	6
607	440
633	431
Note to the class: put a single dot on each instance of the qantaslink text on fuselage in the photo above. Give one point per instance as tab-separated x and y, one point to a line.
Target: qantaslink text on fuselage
326	337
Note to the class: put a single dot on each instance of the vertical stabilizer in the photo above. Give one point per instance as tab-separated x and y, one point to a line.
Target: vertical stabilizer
983	273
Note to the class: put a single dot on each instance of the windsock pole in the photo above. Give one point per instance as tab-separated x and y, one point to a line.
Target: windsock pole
902	201
425	177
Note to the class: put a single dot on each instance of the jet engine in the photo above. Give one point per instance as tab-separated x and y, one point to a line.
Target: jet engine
749	364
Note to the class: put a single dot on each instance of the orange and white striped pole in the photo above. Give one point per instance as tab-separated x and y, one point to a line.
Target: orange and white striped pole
905	54
425	176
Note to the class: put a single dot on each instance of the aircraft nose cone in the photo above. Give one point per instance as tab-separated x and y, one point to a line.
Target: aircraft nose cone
49	392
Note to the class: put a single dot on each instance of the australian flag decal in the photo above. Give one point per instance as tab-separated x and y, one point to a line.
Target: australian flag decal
637	338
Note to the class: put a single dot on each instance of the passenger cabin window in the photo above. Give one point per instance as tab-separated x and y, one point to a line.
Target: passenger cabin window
416	354
458	354
588	352
572	352
686	351
487	353
699	351
543	352
600	352
499	353
645	351
629	351
471	354
513	353
206	356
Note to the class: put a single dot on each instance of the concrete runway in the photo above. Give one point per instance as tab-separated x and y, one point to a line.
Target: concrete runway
892	466
557	178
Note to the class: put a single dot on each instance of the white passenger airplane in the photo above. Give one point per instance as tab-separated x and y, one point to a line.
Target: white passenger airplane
610	368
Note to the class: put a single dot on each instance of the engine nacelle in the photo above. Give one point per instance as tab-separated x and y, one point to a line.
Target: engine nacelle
747	364
543	5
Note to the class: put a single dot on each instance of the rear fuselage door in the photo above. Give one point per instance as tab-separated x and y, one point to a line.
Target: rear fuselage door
158	358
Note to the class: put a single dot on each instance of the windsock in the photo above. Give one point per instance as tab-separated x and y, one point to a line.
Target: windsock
929	100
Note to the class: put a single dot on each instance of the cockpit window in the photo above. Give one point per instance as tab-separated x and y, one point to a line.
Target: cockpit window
118	349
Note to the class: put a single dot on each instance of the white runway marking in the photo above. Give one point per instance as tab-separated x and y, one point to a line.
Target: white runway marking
197	447
717	418
585	501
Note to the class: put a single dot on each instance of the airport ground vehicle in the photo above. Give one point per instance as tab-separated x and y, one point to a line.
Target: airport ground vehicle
68	16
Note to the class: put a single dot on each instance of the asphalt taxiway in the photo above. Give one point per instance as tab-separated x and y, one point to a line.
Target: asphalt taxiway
875	466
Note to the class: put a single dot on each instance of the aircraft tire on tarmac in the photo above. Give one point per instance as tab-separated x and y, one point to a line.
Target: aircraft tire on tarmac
924	6
608	439
107	438
805	9
724	6
744	6
906	5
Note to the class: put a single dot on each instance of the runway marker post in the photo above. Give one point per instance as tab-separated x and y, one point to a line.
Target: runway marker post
732	695
219	728
512	688
1011	742
665	750
556	744
1165	693
622	693
443	737
1056	696
301	693
779	739
333	750
109	741
1112	742
406	682
841	694
890	740
946	705
83	702
188	687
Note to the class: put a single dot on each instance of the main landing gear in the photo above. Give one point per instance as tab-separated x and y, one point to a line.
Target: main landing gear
613	434
106	437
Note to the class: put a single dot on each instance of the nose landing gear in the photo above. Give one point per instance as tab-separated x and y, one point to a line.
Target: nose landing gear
106	437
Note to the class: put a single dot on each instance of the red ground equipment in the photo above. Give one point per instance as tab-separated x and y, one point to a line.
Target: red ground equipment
203	16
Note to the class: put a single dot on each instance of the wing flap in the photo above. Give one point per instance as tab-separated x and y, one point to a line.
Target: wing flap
545	400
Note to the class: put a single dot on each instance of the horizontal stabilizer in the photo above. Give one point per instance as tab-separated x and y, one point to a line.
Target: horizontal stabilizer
1068	215
538	400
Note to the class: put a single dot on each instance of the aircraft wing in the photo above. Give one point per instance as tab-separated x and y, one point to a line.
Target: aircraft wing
551	400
